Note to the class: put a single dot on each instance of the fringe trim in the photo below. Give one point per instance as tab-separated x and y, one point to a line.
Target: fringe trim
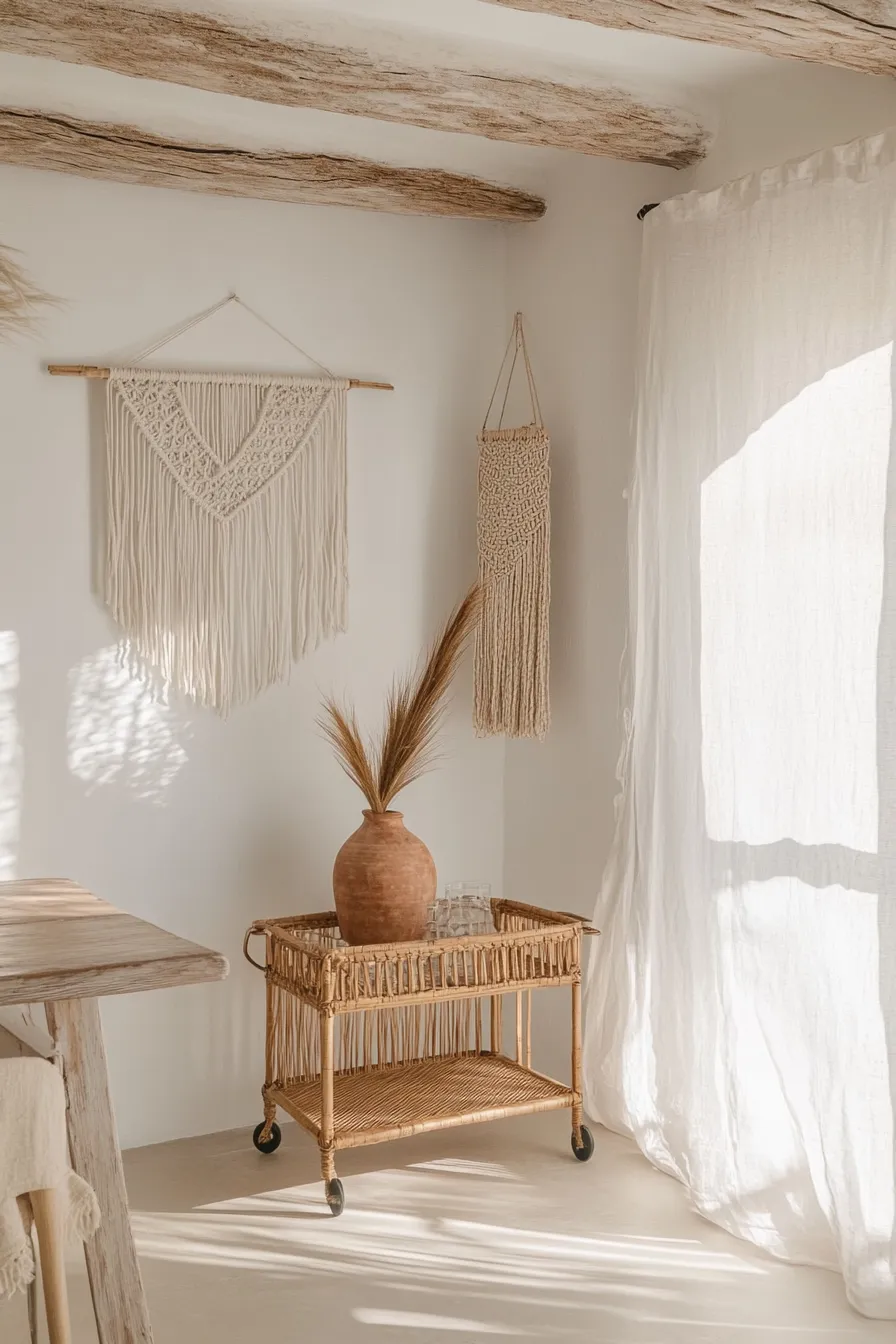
83	1208
17	1270
82	1218
511	652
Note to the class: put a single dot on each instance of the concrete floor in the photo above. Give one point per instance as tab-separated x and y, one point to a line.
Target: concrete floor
453	1237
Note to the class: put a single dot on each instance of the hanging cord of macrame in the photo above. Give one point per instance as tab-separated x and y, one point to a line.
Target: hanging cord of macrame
516	343
194	321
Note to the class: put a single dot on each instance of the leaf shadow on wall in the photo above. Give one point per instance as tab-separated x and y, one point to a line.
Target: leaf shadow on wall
121	728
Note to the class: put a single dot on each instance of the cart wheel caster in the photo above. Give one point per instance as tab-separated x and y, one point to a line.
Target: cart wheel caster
587	1149
271	1143
335	1196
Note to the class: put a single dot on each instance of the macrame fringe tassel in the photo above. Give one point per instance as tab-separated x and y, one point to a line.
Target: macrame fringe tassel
221	601
511	655
82	1218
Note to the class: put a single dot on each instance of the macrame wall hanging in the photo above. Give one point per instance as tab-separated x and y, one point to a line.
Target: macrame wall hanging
226	551
511	658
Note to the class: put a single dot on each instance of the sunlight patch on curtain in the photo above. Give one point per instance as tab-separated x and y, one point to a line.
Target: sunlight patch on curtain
791	579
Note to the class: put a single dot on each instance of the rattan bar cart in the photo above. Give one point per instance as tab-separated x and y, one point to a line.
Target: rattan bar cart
365	1044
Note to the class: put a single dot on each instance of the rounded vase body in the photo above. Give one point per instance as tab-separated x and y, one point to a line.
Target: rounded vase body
384	882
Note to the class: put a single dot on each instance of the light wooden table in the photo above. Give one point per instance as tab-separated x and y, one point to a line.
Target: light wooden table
65	948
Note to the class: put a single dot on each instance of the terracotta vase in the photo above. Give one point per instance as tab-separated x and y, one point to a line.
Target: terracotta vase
384	881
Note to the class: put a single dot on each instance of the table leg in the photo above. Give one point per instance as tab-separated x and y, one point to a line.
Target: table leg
119	1303
32	1311
48	1219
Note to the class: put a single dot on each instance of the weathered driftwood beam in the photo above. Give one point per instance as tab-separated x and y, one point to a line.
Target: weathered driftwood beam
855	34
127	154
209	53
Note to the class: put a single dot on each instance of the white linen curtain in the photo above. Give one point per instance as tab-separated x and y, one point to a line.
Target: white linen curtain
741	1015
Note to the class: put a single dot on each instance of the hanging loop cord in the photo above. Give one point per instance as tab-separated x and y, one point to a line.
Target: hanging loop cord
191	322
517	343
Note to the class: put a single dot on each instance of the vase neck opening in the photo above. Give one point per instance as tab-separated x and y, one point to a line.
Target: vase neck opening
389	817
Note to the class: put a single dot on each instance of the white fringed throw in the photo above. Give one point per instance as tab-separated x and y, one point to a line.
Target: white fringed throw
226	551
511	657
34	1156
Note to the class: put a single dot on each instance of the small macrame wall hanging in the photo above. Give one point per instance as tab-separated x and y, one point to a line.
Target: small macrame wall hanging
511	658
226	551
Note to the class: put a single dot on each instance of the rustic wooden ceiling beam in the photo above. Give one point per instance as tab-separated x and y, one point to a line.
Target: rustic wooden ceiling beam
855	34
126	154
208	53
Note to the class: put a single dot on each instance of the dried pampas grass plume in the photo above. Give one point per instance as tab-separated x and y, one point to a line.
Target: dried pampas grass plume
19	298
415	708
340	728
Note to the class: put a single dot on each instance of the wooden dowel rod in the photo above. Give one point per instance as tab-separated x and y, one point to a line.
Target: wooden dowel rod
77	371
97	371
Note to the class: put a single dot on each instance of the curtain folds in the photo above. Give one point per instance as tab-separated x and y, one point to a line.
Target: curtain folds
741	1015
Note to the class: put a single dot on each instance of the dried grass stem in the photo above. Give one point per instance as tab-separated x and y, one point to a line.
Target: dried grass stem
415	708
19	297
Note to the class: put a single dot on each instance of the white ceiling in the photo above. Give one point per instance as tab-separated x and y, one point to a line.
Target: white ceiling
463	33
531	42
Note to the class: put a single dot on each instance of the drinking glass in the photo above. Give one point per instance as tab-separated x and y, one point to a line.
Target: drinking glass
464	908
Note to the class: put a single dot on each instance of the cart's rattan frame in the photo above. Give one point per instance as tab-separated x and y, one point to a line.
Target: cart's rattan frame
365	1044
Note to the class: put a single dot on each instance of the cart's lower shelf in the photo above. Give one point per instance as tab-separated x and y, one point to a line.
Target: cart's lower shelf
431	1094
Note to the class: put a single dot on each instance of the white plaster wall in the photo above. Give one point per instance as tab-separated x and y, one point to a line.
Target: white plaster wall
789	111
195	823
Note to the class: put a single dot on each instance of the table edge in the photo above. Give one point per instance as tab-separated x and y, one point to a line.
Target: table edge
115	978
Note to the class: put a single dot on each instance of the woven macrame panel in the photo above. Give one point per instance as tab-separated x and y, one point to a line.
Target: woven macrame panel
514	534
226	550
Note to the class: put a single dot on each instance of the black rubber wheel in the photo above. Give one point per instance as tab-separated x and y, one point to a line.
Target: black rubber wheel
584	1153
335	1196
271	1143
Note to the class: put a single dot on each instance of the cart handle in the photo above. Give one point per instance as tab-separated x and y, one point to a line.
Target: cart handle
587	926
251	960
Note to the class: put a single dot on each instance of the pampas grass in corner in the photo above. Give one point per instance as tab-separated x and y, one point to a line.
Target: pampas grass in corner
415	708
19	298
